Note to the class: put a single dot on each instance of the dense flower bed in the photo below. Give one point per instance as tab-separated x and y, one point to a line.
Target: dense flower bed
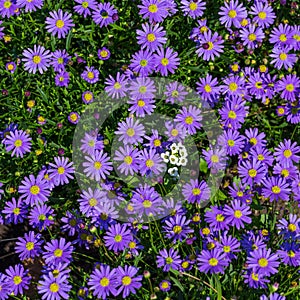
149	149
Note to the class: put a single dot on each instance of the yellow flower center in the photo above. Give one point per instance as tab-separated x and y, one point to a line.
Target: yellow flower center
283	56
285	173
16	211
220	218
130	132
132	245
58	253
165	285
144	62
263	262
141	103
189	120
151	37
61	78
291	253
213	262
10	67
42	217
97	165
196	191
91	143
276	189
206	231
203	29
235	68
60	170
193	6
88	97
149	163
174	132
214	158
292	227
104	282
85	4
232	14
258	84
230	143
17	280
177	229
147	203
128	160
54	287
231	114
34	190
260	157
287	153
169	260
263	68
73	117
252	37
226	249
244	22
126	280
252	173
117	86
253	141
254	276
103	53
93	202
60	60
233	86
60	23
262	15
157	143
118	238
7	4
210	45
90	75
207	88
164	61
238	214
153	8
290	87
296	37
143	89
283	37
18	143
240	194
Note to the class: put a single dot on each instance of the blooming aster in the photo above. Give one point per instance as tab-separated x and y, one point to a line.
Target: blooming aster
59	60
166	61
90	75
128	155
195	191
213	261
155	10
61	171
193	8
116	88
282	57
168	259
104	14
29	245
263	14
251	36
8	8
150	162
85	7
232	13
117	237
289	86
287	152
276	188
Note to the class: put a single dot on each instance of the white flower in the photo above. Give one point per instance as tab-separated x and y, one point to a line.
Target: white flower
173	159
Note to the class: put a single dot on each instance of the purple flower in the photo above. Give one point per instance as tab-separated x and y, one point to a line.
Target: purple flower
252	171
90	75
213	261
290	228
142	62
215	158
168	259
90	143
232	141
217	219
155	10
282	58
165	285
150	162
232	13
15	211
73	117
287	153
18	141
281	35
251	35
103	54
195	192
116	88
129	158
117	237
11	67
276	188
41	216
208	88
59	59
62	79
36	59
263	14
193	8
30	5
141	107
87	97
166	61
175	92
142	87
84	7
8	8
61	171
59	23
104	14
273	296
289	86
127	280
29	246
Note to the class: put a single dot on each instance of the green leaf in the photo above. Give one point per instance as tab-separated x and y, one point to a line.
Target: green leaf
203	165
177	283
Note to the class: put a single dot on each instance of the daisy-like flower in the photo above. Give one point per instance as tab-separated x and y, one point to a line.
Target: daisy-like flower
263	261
208	88
213	261
103	53
165	285
237	214
30	5
252	35
150	162
36	59
59	60
217	219
97	165
41	216
195	191
263	14
175	131
233	85
168	259
59	23
282	58
281	35
252	171
87	97
34	190
166	61
276	188
229	245
255	280
130	131
190	118
11	67
129	158
61	171
289	228
54	286
15	211
155	10
262	154
175	92
289	86
73	117
90	75
89	201
255	138
142	87
18	279
256	85
232	141
102	282
127	280
193	8
290	254
142	62
104	14
29	245
18	141
116	88
287	153
90	143
151	37
62	79
85	7
232	13
117	237
8	8
58	251
210	45
141	107
215	158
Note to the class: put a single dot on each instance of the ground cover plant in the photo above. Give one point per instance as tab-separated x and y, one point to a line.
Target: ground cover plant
149	149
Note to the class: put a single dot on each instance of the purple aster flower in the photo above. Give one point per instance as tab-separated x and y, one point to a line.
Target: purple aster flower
62	79
255	279
287	153
11	67
41	216
15	211
290	228
59	23
282	57
36	59
71	223
262	154
127	280
141	107
212	262
58	251
293	112
104	14
142	62
116	88
165	285
34	190
155	10
296	37
166	61
59	59
289	173
18	141
237	214
85	7
142	87
30	5
150	162
102	282
89	202
4	288
97	165
255	138
217	219
151	37
175	131
233	85
229	245
29	245
18	279
232	13
130	131
210	45
8	8
290	254
90	75
175	92
256	85
195	191
103	53
54	287
117	237
289	86
263	14
251	36
251	172
263	261
232	141
90	143
87	97
193	8
281	35
177	228
73	117
215	158
273	296
168	259
208	88
129	158
61	171
276	188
